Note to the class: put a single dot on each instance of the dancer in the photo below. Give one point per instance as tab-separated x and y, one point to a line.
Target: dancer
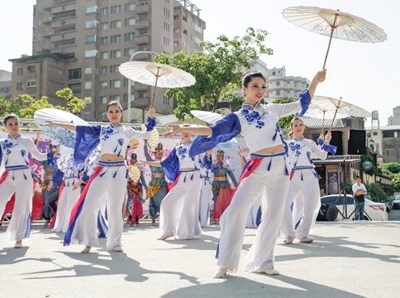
222	189
179	208
304	186
265	173
206	195
17	177
108	180
157	188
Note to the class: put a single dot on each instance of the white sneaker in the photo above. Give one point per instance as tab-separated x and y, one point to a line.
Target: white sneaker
117	248
221	272
306	240
165	236
86	250
271	271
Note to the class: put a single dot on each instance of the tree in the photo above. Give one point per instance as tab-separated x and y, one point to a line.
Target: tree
74	104
218	69
376	192
391	168
8	106
396	182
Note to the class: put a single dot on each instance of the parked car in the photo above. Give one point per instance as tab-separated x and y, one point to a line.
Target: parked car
372	210
396	202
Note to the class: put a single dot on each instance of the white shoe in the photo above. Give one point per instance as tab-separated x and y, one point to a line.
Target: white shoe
221	272
117	248
289	240
165	236
271	271
18	244
86	250
306	240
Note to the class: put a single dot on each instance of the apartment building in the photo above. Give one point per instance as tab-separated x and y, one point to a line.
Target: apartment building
81	44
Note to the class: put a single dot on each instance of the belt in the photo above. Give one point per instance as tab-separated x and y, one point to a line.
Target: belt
114	163
220	179
158	175
255	155
14	168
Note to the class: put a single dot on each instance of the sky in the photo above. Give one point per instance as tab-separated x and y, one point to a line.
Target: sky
364	74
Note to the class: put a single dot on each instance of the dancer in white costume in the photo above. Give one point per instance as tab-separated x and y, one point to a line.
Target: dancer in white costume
109	178
179	208
206	194
265	173
304	187
17	177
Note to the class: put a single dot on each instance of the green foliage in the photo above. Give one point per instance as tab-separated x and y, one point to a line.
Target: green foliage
8	106
396	182
32	105
284	122
74	103
376	193
391	168
348	185
218	70
371	171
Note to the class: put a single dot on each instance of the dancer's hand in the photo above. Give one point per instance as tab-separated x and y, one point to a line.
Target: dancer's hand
152	112
328	137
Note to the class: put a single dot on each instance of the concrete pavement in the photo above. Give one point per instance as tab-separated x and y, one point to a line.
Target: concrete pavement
347	259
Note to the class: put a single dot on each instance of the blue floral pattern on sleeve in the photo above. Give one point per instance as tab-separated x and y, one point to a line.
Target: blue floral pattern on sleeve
181	152
252	117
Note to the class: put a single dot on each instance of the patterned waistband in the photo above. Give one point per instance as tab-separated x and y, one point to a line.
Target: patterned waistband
302	168
220	179
158	175
15	168
65	178
255	155
111	164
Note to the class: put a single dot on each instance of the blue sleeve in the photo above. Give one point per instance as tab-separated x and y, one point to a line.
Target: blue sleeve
1	153
222	131
320	141
146	152
170	166
57	176
87	139
230	173
305	100
329	148
207	161
151	123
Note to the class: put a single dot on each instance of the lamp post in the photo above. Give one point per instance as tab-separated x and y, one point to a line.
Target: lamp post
130	85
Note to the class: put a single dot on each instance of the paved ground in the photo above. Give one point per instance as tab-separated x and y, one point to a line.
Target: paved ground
348	259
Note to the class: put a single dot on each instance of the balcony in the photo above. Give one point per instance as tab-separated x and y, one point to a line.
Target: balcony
64	23
142	24
63	37
142	8
142	39
63	8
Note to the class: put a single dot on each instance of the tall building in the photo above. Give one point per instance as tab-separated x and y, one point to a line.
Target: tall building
395	119
281	86
5	83
80	44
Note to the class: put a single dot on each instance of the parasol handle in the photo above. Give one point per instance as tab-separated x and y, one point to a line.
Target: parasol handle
323	123
333	27
37	137
333	120
155	86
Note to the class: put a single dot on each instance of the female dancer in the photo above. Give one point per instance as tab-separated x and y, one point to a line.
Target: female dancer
179	208
265	173
157	188
18	178
109	179
304	187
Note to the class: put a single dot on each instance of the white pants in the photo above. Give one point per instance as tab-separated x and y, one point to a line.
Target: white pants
272	185
110	185
179	208
20	182
66	201
251	221
305	196
206	196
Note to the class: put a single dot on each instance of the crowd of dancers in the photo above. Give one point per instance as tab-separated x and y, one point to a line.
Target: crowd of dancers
90	193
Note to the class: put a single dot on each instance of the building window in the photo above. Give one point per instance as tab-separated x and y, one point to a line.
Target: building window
104	26
278	83
116	84
184	31
130	36
91	38
130	6
103	70
116	24
104	85
116	38
74	74
104	11
88	70
143	94
104	40
117	97
104	55
88	85
129	52
76	88
143	17
116	9
103	99
20	71
31	69
130	22
90	53
143	32
20	86
142	47
113	68
91	9
91	24
31	83
115	53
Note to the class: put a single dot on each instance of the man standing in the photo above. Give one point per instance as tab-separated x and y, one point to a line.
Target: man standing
359	191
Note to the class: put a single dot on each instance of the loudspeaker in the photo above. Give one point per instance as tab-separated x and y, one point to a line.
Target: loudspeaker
357	141
337	141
